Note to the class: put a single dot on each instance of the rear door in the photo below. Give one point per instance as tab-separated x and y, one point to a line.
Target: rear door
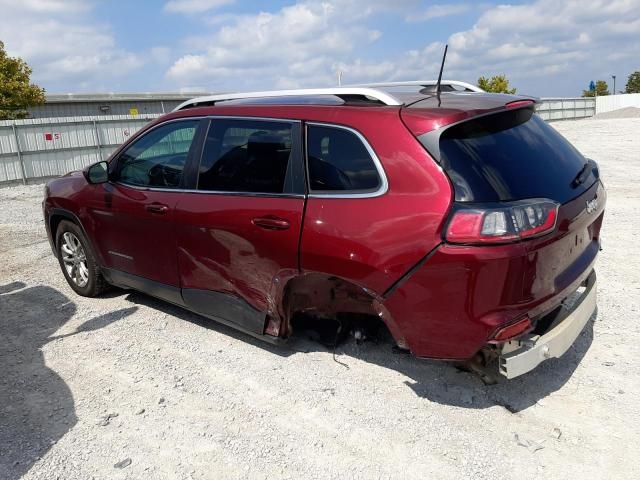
238	229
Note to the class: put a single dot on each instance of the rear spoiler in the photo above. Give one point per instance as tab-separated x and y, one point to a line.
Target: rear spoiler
431	139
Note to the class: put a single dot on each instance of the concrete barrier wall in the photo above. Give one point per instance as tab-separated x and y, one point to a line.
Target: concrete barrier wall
616	102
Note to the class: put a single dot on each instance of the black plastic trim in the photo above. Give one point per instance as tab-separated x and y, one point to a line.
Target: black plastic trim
192	165
155	289
233	310
69	216
206	303
548	320
389	291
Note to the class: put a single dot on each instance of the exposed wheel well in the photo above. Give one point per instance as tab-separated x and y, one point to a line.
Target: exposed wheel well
330	299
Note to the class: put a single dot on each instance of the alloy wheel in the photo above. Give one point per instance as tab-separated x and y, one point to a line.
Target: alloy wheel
74	259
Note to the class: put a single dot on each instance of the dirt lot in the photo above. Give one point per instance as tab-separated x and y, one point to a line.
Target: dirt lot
128	387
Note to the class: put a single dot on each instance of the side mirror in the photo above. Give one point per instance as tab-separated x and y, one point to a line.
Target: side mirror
97	173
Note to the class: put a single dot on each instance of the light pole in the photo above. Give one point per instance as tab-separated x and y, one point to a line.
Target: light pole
614	84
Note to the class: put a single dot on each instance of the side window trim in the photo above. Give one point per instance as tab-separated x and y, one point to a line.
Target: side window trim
190	175
384	183
295	169
118	157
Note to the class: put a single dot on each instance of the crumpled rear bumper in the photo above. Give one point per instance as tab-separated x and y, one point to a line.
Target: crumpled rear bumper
526	353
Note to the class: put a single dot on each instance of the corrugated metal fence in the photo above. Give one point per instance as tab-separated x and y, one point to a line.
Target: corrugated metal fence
551	109
47	147
37	148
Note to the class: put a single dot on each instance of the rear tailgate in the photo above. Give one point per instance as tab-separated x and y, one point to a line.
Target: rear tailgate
514	155
558	261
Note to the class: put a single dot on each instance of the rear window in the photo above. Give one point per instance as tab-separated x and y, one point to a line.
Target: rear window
339	161
511	155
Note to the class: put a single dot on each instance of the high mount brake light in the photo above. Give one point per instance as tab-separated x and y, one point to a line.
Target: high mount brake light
519	103
506	223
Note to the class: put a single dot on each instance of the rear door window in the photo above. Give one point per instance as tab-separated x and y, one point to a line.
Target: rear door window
511	155
338	161
247	156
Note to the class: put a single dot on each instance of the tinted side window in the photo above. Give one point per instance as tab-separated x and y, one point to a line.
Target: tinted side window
157	159
338	160
246	156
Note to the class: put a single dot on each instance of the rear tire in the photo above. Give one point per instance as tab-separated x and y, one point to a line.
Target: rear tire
77	262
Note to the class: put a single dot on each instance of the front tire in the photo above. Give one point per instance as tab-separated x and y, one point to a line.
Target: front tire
77	262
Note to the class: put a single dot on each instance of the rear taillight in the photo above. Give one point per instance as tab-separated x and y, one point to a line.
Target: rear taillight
504	223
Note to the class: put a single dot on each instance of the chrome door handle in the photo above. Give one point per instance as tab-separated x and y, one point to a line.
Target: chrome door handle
157	208
271	223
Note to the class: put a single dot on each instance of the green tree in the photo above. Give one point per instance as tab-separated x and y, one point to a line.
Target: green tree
497	84
17	93
601	90
633	83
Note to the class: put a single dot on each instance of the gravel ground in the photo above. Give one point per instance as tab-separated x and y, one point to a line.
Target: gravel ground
125	386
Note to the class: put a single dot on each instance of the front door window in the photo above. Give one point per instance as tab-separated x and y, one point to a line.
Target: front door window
158	158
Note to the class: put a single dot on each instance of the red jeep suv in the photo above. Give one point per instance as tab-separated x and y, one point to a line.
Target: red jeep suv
460	219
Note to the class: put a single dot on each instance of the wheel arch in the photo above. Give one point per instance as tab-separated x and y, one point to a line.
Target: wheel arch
56	216
328	295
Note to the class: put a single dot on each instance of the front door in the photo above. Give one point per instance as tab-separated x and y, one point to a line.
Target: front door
238	232
134	213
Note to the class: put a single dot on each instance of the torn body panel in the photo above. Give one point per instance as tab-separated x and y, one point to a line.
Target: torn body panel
325	296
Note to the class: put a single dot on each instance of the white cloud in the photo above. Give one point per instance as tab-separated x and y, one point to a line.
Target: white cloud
546	38
544	47
297	45
62	45
508	51
438	11
194	6
47	6
360	71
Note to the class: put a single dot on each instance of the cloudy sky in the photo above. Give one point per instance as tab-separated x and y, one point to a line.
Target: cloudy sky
545	47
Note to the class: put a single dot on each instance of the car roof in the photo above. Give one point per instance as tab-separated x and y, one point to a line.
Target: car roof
378	93
422	109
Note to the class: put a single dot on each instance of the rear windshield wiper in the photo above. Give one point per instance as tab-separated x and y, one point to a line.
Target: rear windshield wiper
584	172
